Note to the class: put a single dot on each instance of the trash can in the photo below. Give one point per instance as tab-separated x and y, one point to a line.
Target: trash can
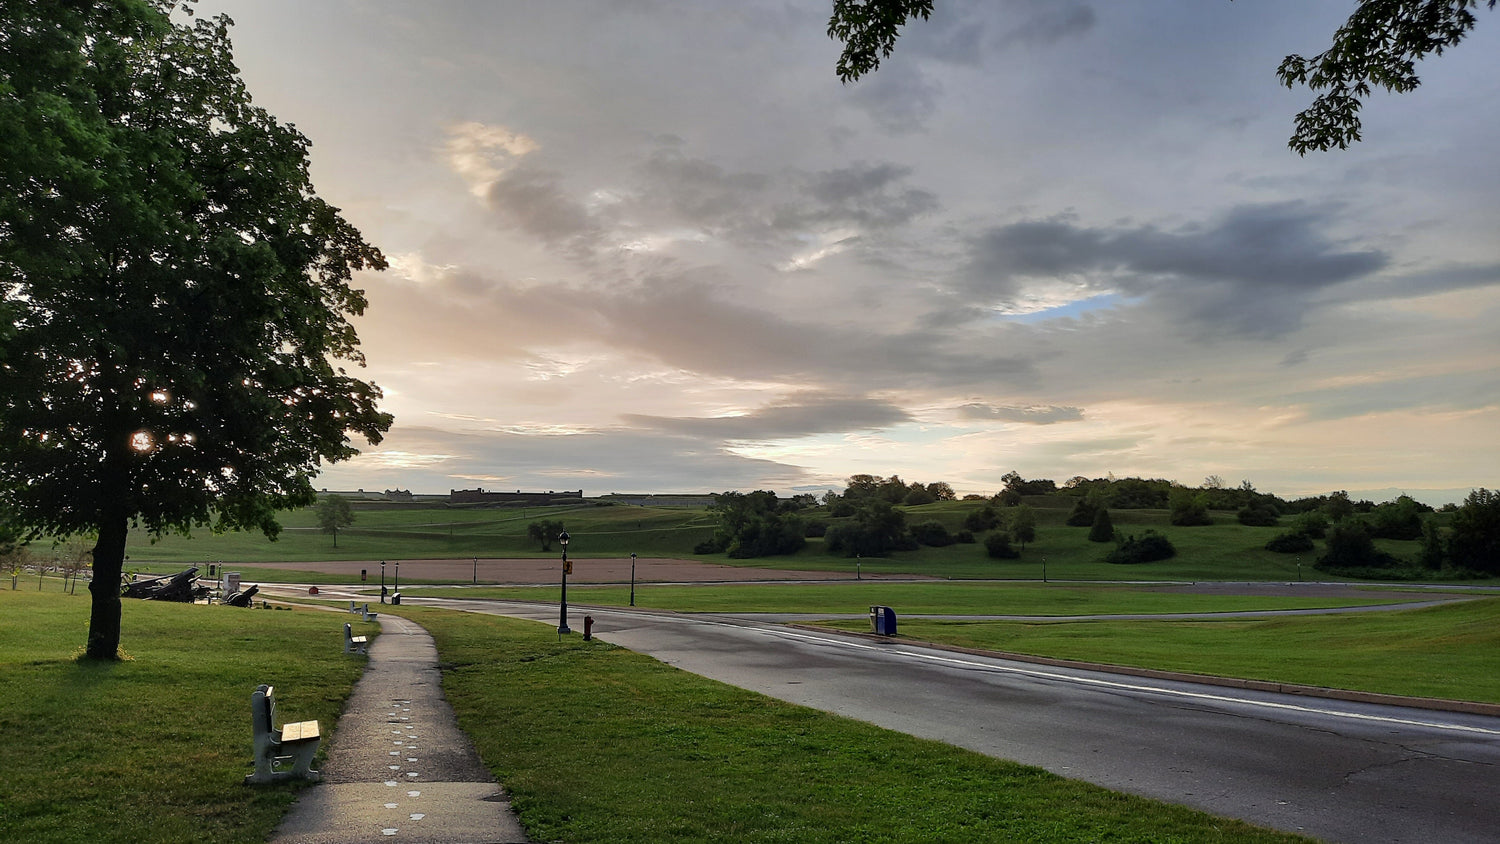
396	599
883	621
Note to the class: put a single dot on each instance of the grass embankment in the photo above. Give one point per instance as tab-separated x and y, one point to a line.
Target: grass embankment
925	598
596	743
154	748
1225	550
1448	652
441	533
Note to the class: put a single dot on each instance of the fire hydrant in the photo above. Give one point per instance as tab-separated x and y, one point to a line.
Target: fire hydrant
588	627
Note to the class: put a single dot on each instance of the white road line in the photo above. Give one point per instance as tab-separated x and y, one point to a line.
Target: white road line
1121	685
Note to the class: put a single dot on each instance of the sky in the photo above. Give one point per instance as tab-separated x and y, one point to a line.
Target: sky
656	245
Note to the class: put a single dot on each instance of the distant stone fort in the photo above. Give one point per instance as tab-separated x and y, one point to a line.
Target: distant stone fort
532	499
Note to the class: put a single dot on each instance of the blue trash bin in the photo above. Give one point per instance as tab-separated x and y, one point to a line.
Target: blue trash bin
883	621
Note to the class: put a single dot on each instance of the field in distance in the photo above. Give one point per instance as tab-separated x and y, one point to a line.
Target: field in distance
1225	550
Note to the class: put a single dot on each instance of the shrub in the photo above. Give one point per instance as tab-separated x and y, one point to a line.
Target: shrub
1103	529
1290	543
1149	547
816	528
983	519
1189	510
1312	523
1351	547
1084	513
997	545
932	533
1257	516
964	536
715	545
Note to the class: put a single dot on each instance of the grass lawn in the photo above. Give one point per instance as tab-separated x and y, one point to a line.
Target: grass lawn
1225	550
153	748
1450	651
596	743
928	598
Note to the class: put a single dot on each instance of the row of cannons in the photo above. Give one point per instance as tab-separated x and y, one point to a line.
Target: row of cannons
182	587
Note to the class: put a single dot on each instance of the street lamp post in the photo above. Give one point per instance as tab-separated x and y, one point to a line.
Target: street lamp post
397	587
562	618
476	571
382	581
632	578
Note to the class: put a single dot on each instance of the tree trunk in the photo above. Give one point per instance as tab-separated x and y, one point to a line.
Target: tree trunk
109	564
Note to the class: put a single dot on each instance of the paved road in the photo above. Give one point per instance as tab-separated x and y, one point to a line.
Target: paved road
1333	770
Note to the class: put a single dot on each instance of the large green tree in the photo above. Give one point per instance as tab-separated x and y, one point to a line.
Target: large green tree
178	296
1379	45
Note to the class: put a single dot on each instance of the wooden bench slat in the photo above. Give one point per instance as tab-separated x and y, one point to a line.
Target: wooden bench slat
300	731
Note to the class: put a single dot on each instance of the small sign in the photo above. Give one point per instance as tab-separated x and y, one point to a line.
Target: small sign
567	566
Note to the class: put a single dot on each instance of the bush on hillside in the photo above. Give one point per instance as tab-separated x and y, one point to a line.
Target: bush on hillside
1147	548
1103	529
998	545
1258	516
1084	513
1290	543
932	533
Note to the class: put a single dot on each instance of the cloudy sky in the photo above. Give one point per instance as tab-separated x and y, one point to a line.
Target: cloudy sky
655	245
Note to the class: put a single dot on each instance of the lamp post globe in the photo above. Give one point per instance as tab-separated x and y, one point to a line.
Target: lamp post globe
562	617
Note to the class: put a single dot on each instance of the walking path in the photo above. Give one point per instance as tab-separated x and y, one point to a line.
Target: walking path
399	769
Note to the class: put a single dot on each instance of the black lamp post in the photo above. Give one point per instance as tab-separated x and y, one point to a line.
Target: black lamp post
632	578
382	581
562	618
397	587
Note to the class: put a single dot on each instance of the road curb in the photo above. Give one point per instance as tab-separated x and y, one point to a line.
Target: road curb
1439	704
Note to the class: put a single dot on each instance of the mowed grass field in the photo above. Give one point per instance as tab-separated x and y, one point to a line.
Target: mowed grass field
154	748
595	743
1226	550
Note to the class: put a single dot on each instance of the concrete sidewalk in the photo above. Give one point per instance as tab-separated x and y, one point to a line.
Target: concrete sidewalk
398	768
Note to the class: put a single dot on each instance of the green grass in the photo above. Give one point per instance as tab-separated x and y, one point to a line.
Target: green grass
596	743
928	598
153	748
1449	651
437	533
1226	550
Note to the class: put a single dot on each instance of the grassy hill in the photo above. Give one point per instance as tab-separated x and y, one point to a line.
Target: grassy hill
1225	550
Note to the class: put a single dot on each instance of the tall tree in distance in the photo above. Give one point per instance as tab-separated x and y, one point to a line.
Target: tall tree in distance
334	514
179	297
1379	45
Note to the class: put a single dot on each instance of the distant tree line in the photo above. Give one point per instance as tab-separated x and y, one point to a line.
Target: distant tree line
867	519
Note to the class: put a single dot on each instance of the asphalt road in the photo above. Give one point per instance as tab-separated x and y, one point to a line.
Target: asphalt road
1333	770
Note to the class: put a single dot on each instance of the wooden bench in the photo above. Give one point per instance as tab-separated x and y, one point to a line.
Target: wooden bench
294	744
369	616
353	643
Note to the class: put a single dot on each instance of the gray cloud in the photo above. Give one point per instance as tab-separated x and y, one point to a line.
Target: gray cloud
1046	22
801	416
900	98
1457	391
536	201
1251	271
600	461
864	194
1029	414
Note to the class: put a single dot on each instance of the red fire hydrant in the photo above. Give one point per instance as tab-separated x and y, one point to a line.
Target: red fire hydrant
588	627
